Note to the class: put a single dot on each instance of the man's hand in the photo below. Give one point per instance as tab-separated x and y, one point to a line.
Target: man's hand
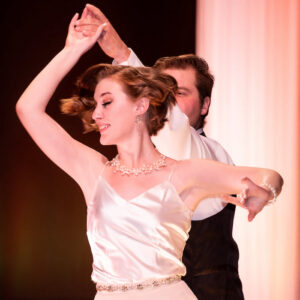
76	39
109	40
253	198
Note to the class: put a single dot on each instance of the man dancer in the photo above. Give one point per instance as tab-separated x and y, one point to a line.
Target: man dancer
211	254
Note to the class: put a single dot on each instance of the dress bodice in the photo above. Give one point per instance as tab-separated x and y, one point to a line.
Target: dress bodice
138	239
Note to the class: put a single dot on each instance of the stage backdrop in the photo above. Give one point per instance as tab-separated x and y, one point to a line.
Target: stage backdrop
253	49
45	254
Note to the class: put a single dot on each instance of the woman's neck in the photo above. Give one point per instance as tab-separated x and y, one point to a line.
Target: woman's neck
138	152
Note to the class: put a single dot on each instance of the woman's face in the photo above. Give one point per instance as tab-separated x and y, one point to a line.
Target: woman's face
115	112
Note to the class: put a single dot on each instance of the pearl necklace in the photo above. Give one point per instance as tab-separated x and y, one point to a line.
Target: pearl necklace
145	169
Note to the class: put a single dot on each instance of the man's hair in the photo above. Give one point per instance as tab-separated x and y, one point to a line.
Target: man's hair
204	79
158	88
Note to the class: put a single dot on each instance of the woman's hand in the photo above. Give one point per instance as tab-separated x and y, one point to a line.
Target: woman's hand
109	41
253	197
78	39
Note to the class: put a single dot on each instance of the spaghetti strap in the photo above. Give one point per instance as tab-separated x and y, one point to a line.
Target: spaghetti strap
102	170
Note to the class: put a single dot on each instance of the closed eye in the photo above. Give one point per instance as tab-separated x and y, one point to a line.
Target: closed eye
104	104
180	93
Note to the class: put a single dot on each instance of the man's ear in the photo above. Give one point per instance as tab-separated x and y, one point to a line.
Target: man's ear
142	105
205	106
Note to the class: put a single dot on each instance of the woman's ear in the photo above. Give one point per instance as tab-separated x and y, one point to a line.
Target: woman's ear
142	105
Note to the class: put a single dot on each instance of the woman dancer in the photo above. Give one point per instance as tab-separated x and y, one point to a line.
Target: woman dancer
139	204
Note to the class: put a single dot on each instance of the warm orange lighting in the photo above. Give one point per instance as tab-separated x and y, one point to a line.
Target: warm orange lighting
253	49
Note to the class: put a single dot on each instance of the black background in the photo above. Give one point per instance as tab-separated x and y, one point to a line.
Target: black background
44	250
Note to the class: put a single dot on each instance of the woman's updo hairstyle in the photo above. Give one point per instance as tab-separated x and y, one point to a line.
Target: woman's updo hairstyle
158	88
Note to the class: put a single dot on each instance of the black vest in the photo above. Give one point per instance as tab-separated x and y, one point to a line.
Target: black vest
211	258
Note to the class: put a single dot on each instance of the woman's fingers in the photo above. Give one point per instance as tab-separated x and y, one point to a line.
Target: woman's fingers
73	22
100	30
87	29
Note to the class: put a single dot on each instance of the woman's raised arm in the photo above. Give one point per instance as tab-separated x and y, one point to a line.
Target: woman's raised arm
74	158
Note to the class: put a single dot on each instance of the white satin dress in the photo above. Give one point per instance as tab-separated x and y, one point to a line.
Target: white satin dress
139	241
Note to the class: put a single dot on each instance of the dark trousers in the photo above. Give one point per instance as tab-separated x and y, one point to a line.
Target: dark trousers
218	285
211	258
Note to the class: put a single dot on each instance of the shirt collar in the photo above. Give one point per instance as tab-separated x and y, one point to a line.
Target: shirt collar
200	130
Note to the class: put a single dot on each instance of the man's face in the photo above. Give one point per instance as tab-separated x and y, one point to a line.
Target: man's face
187	96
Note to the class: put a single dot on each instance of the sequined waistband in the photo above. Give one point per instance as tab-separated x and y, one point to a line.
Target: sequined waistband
139	286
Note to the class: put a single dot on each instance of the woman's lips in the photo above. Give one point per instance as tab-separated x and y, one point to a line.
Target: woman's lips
103	127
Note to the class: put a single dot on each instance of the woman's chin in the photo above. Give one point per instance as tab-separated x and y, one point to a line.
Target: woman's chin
105	142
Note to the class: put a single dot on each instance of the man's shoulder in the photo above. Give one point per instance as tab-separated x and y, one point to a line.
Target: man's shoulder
217	150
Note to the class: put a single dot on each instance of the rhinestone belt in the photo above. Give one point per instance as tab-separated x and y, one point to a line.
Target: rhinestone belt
136	286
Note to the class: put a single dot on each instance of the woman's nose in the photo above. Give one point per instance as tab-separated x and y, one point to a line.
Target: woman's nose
97	114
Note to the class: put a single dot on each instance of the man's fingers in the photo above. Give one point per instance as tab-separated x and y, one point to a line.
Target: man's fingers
87	22
84	13
96	13
81	26
232	200
247	181
242	196
251	216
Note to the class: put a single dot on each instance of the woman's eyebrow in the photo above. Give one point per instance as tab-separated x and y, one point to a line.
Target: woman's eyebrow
105	93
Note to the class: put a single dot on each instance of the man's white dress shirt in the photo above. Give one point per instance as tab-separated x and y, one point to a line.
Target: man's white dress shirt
178	140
